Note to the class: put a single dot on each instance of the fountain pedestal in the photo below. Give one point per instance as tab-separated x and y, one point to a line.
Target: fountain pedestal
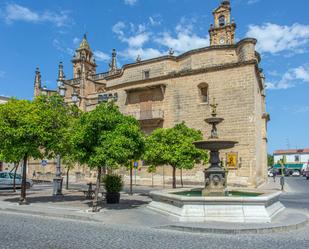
214	175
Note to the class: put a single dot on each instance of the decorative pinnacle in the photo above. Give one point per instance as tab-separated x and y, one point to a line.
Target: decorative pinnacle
226	2
60	72
138	59
37	80
214	108
171	51
113	64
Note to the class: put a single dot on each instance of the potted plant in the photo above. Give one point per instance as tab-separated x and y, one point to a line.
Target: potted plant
113	185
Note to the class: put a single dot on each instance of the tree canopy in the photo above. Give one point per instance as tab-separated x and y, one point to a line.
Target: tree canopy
174	147
105	137
32	129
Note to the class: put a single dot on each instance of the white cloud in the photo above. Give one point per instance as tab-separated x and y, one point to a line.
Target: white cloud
130	2
144	53
291	78
138	37
62	48
185	39
273	38
2	74
138	40
101	56
76	41
118	28
155	21
15	12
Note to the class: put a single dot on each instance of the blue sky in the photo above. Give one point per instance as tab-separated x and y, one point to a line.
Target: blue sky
42	33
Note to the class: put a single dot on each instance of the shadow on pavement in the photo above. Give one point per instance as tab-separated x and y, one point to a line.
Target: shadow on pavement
125	204
52	199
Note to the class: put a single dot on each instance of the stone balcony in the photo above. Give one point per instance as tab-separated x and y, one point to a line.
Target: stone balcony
148	117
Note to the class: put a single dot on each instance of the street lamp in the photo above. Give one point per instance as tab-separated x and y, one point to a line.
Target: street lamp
62	90
75	97
58	180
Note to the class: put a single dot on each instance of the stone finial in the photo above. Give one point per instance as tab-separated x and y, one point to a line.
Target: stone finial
171	51
138	59
113	64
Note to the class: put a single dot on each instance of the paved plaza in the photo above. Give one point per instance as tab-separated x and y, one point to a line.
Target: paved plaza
65	223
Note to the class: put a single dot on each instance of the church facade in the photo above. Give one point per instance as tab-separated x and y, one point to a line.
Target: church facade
167	90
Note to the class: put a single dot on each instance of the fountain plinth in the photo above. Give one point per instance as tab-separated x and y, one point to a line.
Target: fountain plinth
215	174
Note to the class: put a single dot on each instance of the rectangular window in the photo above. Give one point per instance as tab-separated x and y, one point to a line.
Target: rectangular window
297	158
146	74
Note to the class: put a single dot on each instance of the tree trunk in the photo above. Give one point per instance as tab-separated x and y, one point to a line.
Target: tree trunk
14	179
67	182
131	180
152	179
181	182
96	195
174	176
22	199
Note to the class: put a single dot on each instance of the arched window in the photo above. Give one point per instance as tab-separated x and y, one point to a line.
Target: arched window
221	21
203	92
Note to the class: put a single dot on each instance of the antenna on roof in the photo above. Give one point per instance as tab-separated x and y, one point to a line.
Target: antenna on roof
288	143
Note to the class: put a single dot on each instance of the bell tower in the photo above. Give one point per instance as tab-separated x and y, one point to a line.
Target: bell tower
83	60
222	32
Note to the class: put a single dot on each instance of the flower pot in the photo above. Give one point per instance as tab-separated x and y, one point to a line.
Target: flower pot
112	198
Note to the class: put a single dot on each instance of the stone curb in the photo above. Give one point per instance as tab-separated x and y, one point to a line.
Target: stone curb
51	215
260	230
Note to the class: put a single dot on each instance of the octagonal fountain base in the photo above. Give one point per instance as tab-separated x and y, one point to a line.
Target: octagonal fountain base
247	209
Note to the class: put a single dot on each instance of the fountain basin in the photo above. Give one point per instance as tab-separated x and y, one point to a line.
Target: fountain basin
215	144
254	209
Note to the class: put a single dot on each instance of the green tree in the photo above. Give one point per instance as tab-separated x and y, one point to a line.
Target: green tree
174	147
106	138
270	160
19	135
31	129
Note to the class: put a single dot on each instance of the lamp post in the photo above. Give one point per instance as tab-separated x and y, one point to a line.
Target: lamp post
58	180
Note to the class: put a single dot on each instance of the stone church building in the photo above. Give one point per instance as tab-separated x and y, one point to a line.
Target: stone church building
167	90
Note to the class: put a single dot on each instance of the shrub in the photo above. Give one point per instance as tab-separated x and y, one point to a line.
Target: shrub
112	183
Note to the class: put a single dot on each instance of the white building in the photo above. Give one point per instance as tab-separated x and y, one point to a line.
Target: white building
3	99
297	156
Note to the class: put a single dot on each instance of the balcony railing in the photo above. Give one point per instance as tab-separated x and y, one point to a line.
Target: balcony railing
75	81
147	114
101	76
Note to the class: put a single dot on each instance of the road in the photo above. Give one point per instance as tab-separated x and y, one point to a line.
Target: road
26	231
299	197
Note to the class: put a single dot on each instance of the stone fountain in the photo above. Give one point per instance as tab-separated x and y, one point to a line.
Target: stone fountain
211	203
214	175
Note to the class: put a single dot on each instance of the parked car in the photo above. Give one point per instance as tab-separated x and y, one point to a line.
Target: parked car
306	170
296	173
7	180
